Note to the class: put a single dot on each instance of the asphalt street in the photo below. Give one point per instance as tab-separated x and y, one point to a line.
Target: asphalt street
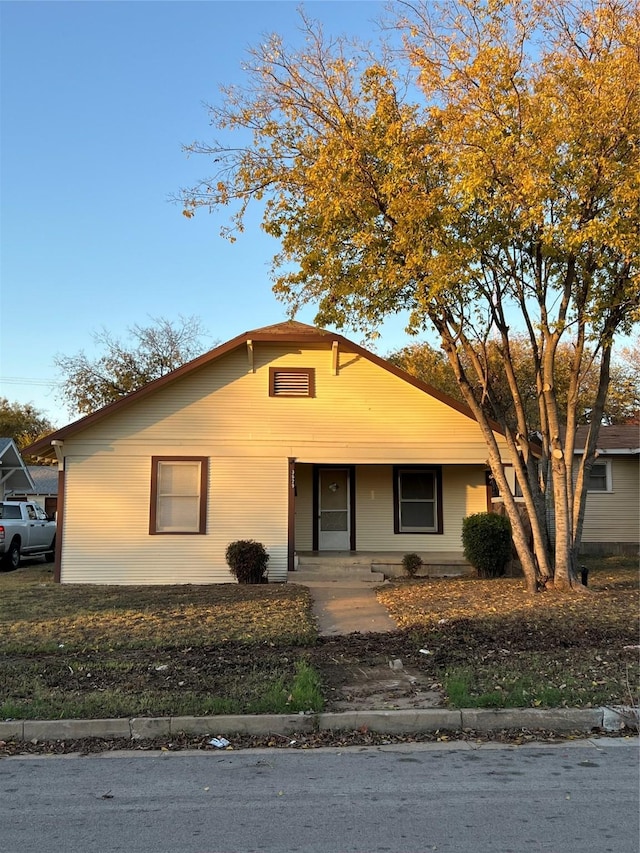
574	797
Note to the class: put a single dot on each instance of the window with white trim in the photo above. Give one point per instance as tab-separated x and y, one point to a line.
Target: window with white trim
599	479
418	500
178	494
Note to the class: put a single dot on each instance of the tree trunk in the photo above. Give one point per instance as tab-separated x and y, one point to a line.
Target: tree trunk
495	462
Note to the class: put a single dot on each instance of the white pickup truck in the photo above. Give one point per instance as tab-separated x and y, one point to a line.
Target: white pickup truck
25	530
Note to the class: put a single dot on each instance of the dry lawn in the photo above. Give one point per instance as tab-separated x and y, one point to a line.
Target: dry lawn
96	651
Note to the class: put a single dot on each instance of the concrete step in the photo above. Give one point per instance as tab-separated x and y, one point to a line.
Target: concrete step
362	574
375	567
346	562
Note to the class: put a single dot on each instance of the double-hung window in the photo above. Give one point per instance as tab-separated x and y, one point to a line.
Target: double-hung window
417	499
178	494
600	477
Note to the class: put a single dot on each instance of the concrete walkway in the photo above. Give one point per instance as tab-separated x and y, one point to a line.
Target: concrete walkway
347	607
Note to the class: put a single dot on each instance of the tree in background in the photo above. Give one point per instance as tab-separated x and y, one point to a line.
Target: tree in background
151	352
22	422
480	172
623	402
432	366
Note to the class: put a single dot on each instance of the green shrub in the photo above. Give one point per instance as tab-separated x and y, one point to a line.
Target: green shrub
247	560
411	563
486	538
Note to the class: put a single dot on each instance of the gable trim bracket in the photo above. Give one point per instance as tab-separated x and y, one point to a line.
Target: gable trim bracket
58	447
334	357
251	368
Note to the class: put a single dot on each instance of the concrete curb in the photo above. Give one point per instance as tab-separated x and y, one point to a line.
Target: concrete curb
559	720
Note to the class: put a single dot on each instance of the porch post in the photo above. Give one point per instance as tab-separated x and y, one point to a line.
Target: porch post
291	515
57	565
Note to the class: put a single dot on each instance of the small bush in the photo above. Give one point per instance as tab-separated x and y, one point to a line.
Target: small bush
247	560
486	538
411	563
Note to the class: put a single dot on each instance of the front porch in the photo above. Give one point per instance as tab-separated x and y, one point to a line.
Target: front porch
360	519
373	566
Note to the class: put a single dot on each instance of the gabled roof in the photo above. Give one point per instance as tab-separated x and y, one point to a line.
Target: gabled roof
14	475
290	331
616	440
45	481
45	478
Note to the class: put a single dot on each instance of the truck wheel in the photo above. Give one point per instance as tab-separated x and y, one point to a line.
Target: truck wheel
50	555
12	557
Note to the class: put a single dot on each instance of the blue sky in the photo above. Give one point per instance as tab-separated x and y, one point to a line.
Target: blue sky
97	99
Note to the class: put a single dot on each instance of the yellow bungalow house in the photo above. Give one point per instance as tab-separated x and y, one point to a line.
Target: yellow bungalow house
290	435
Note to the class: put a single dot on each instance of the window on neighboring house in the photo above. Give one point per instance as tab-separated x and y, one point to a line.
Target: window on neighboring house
417	500
292	382
495	489
178	494
600	477
517	490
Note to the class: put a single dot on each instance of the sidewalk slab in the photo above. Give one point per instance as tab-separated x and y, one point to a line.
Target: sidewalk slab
348	607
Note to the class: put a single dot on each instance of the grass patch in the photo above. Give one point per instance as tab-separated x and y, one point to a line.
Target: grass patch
128	691
84	651
492	645
302	694
466	688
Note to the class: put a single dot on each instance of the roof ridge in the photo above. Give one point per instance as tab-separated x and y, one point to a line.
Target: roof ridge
287	326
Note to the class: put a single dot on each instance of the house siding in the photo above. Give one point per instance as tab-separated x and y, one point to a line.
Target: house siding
614	517
106	526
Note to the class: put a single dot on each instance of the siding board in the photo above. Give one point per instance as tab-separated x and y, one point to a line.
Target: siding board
614	516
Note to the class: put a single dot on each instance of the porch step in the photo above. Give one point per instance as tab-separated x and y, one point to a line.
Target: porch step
335	567
375	566
338	574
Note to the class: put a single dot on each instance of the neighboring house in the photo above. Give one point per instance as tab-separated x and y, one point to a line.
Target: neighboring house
44	491
288	434
612	512
13	471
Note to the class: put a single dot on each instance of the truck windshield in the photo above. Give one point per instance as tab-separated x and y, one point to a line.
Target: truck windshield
8	511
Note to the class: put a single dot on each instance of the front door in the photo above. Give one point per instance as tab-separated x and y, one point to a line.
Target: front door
334	509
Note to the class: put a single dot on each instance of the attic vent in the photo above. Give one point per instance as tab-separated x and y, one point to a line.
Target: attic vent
291	382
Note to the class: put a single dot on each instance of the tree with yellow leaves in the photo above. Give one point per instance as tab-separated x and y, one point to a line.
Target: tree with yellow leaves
431	365
481	173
